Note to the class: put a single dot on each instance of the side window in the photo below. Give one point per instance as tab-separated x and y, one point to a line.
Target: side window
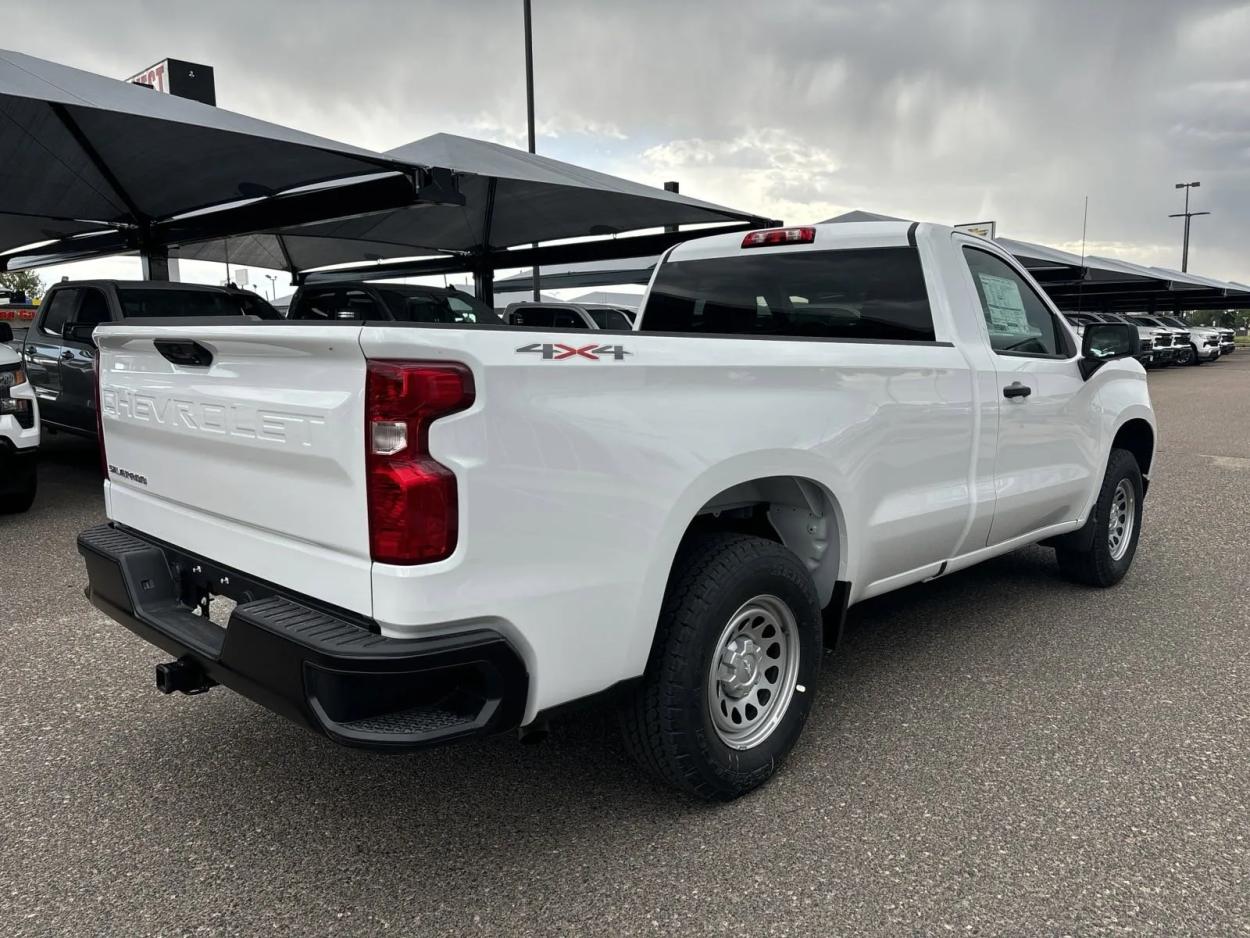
94	308
1019	321
60	308
567	319
609	319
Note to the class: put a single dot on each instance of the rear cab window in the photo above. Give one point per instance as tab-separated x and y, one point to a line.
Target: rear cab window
170	304
873	294
409	304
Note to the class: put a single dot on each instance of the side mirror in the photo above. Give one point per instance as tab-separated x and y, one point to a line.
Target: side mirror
6	332
1104	341
79	332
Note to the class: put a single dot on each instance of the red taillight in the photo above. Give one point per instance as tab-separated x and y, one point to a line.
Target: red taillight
99	416
413	506
771	237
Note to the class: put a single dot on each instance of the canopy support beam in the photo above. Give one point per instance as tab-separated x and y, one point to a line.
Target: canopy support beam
484	274
119	191
286	257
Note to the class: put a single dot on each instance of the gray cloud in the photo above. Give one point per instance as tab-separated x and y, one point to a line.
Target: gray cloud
954	111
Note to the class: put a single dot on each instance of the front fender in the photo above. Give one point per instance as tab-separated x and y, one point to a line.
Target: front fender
1121	396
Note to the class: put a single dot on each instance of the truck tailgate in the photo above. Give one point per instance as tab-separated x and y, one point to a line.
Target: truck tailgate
254	460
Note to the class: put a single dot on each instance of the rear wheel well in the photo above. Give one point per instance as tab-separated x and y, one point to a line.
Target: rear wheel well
796	512
1138	438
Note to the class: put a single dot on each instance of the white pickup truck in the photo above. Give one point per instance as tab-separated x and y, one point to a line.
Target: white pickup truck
439	531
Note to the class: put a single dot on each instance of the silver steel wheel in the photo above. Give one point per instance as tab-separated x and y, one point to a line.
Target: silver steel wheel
1123	517
754	671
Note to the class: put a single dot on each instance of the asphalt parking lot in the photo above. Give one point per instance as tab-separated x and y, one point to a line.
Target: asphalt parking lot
996	753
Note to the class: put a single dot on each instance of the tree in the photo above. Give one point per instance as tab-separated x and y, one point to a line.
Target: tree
23	281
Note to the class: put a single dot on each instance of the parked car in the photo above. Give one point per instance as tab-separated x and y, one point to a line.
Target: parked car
1228	341
438	533
1203	340
1158	337
1182	342
548	315
1154	345
59	351
19	430
389	302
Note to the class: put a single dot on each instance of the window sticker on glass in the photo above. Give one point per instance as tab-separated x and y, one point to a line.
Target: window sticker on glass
1006	307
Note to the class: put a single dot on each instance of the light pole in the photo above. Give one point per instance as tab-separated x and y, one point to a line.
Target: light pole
1187	214
273	290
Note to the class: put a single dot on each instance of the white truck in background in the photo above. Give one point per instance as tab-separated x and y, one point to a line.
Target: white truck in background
438	531
19	430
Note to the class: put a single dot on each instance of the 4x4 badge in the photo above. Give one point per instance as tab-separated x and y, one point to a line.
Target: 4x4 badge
556	351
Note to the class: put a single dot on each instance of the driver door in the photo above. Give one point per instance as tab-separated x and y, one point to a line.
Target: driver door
1047	435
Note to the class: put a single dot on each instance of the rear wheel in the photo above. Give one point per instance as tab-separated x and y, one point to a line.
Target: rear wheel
733	668
1116	522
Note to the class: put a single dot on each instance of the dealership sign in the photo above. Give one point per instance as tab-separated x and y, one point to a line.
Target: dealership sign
982	229
176	77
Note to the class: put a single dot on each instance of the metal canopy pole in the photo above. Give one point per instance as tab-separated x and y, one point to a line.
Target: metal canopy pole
484	274
529	106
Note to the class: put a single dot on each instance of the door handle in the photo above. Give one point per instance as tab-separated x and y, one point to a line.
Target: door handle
66	355
184	353
1016	389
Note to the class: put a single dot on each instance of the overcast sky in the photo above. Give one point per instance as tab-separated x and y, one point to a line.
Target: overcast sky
1012	110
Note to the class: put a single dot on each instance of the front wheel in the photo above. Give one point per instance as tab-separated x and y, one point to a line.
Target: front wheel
17	493
1190	356
1116	526
733	668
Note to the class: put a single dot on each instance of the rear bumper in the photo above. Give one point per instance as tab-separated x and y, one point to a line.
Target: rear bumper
322	668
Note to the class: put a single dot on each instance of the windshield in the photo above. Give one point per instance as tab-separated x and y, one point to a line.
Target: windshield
1174	323
167	304
1146	321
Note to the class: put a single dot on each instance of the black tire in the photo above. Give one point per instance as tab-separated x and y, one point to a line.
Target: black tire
1191	358
1097	565
19	490
667	722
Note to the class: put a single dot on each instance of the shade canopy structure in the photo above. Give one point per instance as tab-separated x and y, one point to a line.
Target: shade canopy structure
594	274
1074	282
858	215
82	154
510	198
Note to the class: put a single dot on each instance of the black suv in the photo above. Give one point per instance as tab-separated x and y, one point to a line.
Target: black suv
59	351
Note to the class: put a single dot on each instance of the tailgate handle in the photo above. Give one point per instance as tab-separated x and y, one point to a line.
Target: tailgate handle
184	352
